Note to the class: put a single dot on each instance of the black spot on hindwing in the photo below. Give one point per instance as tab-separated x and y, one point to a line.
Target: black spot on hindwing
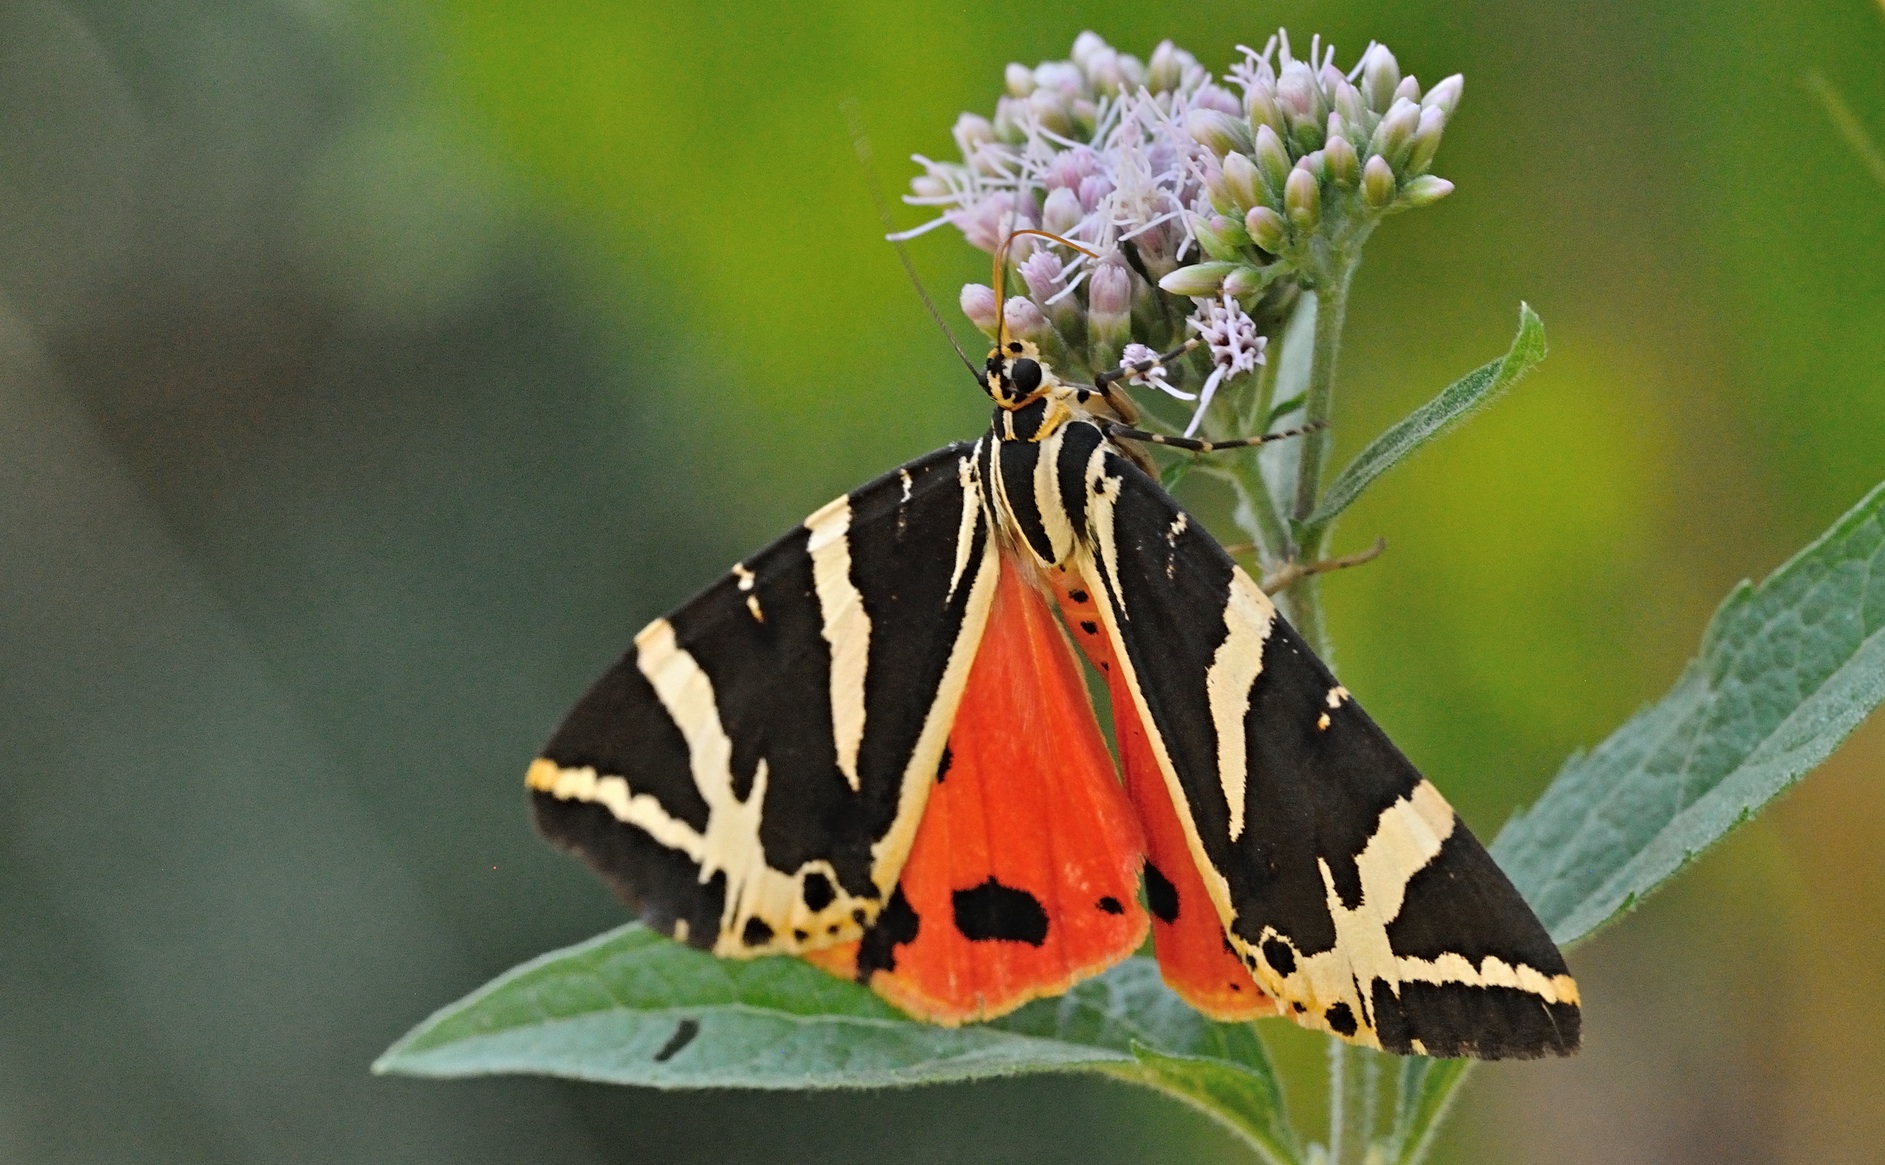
1111	905
1341	1019
1161	897
1282	960
756	933
896	925
816	891
991	911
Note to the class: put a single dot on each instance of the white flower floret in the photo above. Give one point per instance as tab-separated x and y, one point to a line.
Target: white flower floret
1153	376
1235	345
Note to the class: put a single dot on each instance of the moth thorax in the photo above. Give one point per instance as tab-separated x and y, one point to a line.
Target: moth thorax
1030	422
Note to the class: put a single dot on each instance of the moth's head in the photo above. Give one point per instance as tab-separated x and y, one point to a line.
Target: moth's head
1014	374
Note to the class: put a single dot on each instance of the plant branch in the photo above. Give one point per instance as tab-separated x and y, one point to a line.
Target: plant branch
1318	404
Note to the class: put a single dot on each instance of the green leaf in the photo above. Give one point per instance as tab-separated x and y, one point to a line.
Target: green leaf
1176	470
1473	391
1787	669
633	1007
1282	409
1245	1098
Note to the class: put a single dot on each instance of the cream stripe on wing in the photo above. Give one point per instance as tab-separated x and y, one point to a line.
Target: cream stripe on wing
1248	617
971	511
732	839
641	810
847	628
1054	518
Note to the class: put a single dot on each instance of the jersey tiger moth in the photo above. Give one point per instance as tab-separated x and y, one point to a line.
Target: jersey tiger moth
871	745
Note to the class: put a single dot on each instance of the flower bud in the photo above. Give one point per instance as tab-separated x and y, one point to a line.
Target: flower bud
1340	160
1426	141
1051	111
1298	94
1271	158
1212	175
1242	182
1132	71
1407	90
1086	45
1093	190
1390	137
1377	182
1314	162
1380	75
1102	69
1220	238
1265	228
1302	199
1025	320
1445	96
1109	312
1212	97
1260	105
1069	166
1061	78
1010	112
1349	103
1061	212
1425	190
1331	80
1109	292
972	133
1043	273
1245	281
1219	132
1199	281
1165	70
929	186
978	303
1019	80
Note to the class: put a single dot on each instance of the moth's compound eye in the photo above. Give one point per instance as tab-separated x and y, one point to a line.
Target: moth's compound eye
1025	375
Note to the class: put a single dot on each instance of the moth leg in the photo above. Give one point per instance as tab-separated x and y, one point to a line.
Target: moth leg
1108	378
1123	432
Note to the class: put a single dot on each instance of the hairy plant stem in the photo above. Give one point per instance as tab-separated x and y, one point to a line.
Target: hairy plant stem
1318	404
1338	1100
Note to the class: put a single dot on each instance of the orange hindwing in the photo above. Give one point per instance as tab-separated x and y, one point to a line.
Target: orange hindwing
1023	876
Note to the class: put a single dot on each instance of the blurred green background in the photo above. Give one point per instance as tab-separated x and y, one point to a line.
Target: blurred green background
370	373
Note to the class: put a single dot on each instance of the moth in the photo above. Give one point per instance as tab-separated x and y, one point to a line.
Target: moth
871	745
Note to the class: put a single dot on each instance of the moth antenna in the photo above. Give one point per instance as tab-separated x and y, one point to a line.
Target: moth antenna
861	143
1001	271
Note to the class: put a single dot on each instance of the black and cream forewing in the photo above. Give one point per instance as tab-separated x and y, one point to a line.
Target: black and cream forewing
1346	882
749	777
